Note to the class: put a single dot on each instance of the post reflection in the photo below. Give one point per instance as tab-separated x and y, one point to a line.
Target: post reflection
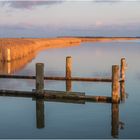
115	120
40	121
15	65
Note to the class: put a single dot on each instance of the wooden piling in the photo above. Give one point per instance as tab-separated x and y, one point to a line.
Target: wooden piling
39	77
115	84
68	85
122	91
68	67
122	69
8	55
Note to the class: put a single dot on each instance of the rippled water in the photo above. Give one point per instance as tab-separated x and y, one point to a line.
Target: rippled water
20	117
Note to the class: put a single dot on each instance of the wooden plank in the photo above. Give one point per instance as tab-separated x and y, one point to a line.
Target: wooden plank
59	78
56	95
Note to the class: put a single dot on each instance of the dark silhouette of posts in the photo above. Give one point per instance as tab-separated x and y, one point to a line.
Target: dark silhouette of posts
115	84
39	78
115	120
40	122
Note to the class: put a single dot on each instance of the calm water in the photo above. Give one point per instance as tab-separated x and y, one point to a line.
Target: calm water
19	117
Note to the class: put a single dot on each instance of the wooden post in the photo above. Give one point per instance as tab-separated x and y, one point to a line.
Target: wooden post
115	84
115	120
39	77
40	113
8	55
122	91
122	69
68	67
68	85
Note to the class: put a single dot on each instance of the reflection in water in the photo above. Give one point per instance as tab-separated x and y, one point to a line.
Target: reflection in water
40	113
115	123
14	66
115	120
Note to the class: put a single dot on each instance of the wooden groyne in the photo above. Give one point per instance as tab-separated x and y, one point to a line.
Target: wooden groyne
14	48
40	92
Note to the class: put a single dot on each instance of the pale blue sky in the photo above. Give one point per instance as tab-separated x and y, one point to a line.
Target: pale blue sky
65	18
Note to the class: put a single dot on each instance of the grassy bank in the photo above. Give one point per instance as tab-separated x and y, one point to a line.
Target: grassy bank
17	48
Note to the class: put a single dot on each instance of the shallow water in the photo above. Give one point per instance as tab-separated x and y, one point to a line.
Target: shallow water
67	120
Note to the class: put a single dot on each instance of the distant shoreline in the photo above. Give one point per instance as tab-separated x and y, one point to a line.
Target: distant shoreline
18	48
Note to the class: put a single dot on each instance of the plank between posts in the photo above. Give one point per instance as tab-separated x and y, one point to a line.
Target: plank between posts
56	95
59	78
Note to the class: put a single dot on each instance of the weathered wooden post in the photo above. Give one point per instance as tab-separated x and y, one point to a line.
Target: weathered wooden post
122	91
40	113
115	120
68	67
8	55
1	54
122	69
115	84
68	85
122	76
39	78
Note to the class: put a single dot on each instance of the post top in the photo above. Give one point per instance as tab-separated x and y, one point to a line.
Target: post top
39	63
68	57
123	58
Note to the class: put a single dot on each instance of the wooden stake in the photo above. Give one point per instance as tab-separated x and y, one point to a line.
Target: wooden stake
115	83
68	85
122	69
8	55
39	77
122	91
68	67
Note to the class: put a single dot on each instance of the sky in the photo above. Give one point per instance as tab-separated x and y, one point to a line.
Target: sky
69	18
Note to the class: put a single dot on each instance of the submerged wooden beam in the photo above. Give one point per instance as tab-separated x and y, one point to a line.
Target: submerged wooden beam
48	94
58	78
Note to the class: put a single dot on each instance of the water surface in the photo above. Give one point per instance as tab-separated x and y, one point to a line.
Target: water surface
20	117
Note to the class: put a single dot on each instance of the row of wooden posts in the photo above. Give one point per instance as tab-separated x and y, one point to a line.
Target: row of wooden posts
116	79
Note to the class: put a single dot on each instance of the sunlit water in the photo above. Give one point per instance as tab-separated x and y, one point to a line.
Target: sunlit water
66	120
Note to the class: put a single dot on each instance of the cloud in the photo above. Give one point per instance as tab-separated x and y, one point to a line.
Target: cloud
28	4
